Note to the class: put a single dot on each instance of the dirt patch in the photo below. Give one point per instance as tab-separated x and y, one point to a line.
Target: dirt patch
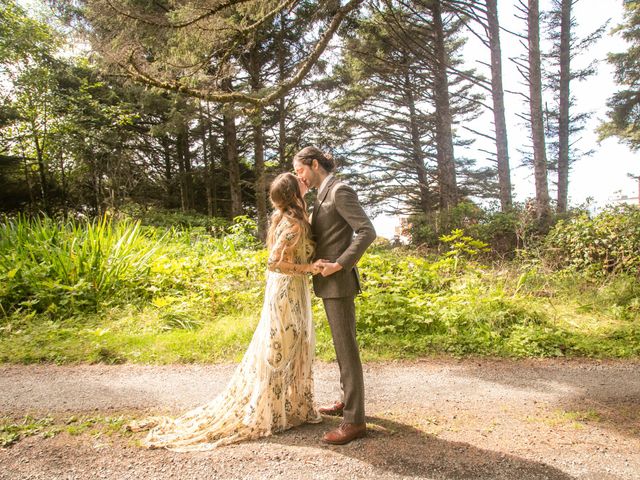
444	419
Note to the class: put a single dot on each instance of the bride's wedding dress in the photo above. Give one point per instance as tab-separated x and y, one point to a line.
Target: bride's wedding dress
272	388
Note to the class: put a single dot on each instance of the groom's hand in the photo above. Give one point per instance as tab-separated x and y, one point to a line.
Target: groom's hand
318	266
329	268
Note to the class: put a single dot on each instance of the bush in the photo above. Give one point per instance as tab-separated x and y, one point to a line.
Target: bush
176	219
498	229
47	266
609	242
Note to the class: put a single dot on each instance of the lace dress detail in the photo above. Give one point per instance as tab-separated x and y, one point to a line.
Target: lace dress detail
272	388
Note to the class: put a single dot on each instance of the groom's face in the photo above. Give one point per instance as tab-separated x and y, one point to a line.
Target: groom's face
308	174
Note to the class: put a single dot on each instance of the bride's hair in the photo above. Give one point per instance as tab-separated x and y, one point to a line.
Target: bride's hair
289	203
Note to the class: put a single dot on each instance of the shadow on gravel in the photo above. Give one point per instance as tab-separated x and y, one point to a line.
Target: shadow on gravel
398	448
603	393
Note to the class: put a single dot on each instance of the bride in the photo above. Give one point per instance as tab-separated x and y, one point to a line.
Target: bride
272	388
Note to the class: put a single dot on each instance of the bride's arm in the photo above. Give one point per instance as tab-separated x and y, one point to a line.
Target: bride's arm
291	268
282	253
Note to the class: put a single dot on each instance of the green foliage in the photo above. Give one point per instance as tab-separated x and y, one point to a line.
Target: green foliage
424	307
609	242
13	430
462	246
176	219
21	37
51	267
499	230
624	114
63	269
197	298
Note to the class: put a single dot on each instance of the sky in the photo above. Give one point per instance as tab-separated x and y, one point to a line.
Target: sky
602	177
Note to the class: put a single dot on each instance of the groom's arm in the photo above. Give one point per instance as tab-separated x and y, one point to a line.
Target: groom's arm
349	208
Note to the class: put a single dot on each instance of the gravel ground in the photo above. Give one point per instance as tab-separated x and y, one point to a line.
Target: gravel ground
434	419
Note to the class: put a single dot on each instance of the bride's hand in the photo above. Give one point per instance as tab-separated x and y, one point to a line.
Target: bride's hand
317	266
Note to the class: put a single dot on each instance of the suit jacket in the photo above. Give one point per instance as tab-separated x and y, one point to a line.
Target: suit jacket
342	232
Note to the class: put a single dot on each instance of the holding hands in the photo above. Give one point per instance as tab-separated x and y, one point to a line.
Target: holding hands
325	267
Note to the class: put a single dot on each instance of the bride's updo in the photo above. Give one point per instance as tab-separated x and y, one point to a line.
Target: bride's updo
307	155
288	202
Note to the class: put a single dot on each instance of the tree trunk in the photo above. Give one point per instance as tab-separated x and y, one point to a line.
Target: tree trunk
260	186
97	186
416	149
258	145
231	154
168	171
64	185
282	134
497	93
182	171
204	128
282	103
444	136
27	177
212	165
42	174
535	105
563	120
188	168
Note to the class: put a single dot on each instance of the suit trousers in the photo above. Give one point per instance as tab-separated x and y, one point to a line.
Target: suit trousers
341	314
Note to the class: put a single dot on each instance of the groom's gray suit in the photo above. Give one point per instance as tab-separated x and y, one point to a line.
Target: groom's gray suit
337	216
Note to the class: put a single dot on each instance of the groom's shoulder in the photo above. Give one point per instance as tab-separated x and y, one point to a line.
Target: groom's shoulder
342	188
339	183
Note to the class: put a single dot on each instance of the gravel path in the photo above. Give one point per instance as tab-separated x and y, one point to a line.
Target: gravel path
434	419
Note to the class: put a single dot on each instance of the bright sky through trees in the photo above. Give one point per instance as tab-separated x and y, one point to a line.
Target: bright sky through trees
602	176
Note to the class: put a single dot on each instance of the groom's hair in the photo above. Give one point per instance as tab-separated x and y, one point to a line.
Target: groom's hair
308	154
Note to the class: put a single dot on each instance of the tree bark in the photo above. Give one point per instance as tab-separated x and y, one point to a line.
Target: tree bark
258	144
282	101
212	165
444	136
168	171
27	177
231	155
204	122
41	172
261	185
535	105
181	145
563	119
497	93
416	149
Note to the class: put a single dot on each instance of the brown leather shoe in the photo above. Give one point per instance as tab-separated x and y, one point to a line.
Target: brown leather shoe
334	410
345	433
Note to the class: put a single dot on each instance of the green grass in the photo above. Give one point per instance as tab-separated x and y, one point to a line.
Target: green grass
186	297
13	430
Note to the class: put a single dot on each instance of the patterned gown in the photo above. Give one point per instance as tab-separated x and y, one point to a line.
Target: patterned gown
272	388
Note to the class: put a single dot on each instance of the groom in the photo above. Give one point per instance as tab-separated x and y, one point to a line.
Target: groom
342	232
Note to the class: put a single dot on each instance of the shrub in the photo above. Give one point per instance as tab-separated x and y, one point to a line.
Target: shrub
497	229
46	265
609	242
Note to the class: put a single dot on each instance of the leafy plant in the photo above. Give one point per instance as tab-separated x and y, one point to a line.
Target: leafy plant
606	243
462	246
